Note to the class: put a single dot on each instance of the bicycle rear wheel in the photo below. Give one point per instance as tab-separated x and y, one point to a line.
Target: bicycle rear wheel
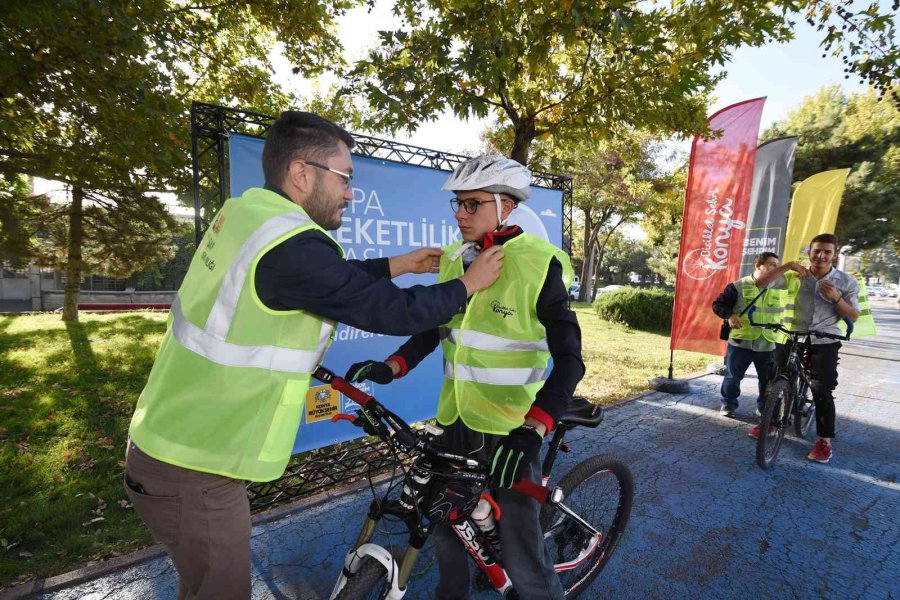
804	410
773	423
600	490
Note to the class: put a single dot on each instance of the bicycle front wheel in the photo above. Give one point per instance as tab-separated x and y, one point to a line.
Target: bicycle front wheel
600	490
773	423
369	583
804	411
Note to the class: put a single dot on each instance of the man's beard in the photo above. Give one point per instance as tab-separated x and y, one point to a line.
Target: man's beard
319	209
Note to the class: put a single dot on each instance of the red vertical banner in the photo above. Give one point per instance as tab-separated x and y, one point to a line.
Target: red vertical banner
716	204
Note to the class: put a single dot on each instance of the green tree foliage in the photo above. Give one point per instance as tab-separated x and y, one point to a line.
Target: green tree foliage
883	262
857	131
626	261
96	95
575	66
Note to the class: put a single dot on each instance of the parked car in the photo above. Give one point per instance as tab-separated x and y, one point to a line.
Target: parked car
574	289
878	292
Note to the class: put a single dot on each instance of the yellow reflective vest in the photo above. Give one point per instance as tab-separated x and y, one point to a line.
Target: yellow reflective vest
495	353
865	323
227	389
768	309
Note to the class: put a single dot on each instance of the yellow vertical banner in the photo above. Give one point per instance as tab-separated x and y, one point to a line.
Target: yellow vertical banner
814	210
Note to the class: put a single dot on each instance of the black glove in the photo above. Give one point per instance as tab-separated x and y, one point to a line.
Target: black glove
372	370
514	454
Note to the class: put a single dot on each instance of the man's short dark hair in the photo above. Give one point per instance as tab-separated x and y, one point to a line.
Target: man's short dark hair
296	134
825	238
762	257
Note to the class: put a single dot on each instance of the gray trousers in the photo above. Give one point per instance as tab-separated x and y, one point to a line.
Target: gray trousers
203	520
526	561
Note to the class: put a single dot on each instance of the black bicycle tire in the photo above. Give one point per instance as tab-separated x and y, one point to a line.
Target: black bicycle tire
579	475
803	425
775	388
366	579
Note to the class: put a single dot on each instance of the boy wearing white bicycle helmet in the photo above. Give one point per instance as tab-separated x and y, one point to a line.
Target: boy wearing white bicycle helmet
498	400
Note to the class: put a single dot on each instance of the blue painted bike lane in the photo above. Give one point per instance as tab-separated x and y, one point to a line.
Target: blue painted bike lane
706	523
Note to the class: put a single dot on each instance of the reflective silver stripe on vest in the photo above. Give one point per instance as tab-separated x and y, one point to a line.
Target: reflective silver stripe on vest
485	341
225	353
494	376
219	321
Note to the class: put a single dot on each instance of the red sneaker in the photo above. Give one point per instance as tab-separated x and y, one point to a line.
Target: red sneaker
821	451
754	433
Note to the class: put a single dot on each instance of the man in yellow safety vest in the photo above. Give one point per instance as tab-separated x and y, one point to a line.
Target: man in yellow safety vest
252	319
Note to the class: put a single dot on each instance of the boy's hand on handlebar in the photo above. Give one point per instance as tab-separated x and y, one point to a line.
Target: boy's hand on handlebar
379	372
514	454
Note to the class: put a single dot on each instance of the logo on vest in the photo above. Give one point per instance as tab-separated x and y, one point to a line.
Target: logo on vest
503	310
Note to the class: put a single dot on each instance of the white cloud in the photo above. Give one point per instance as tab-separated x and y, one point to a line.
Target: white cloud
548	212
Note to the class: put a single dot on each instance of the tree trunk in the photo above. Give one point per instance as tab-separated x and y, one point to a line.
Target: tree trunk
73	259
525	132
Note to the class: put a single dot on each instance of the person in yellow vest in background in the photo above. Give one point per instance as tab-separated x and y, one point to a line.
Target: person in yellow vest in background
497	401
819	299
748	345
252	319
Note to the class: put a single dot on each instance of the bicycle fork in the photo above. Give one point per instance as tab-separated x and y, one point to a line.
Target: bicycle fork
398	572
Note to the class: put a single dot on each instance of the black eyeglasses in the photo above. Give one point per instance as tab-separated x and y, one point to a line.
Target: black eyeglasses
469	204
347	177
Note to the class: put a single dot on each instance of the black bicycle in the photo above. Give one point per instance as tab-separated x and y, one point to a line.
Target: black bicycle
787	395
580	535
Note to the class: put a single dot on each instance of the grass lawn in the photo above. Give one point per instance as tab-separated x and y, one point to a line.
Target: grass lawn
67	392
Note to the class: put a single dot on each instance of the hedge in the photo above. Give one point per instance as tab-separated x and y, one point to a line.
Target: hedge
638	308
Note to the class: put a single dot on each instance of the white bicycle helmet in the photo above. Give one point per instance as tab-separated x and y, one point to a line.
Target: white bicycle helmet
491	173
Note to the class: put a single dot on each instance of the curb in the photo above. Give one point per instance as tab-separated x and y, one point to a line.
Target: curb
32	588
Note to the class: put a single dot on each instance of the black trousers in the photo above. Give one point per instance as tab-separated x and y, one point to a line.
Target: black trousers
823	378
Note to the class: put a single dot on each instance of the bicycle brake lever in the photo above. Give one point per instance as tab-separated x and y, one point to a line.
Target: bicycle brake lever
343	417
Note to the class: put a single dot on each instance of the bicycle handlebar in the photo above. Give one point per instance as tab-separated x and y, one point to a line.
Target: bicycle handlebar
408	439
779	327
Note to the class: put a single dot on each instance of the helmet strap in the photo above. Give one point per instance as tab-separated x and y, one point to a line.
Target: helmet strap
501	223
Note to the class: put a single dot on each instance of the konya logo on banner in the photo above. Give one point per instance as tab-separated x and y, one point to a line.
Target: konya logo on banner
322	403
713	242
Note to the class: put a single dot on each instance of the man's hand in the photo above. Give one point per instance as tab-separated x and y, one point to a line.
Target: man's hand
424	260
513	455
799	269
484	270
830	291
373	370
735	322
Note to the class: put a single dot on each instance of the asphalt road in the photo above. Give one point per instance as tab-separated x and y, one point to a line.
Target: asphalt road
706	523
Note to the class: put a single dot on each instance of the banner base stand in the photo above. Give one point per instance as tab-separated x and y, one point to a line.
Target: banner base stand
715	368
670	386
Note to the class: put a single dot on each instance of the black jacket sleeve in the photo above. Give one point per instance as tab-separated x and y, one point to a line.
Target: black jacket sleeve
724	304
564	343
306	272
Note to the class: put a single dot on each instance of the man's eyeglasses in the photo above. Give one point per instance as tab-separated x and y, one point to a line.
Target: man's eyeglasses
469	204
347	177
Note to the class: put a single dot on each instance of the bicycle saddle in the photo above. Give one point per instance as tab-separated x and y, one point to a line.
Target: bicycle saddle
582	412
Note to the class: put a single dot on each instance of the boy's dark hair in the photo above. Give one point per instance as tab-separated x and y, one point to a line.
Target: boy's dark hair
826	238
297	134
762	257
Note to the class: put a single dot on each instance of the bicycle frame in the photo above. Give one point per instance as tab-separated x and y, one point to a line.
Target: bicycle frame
375	419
